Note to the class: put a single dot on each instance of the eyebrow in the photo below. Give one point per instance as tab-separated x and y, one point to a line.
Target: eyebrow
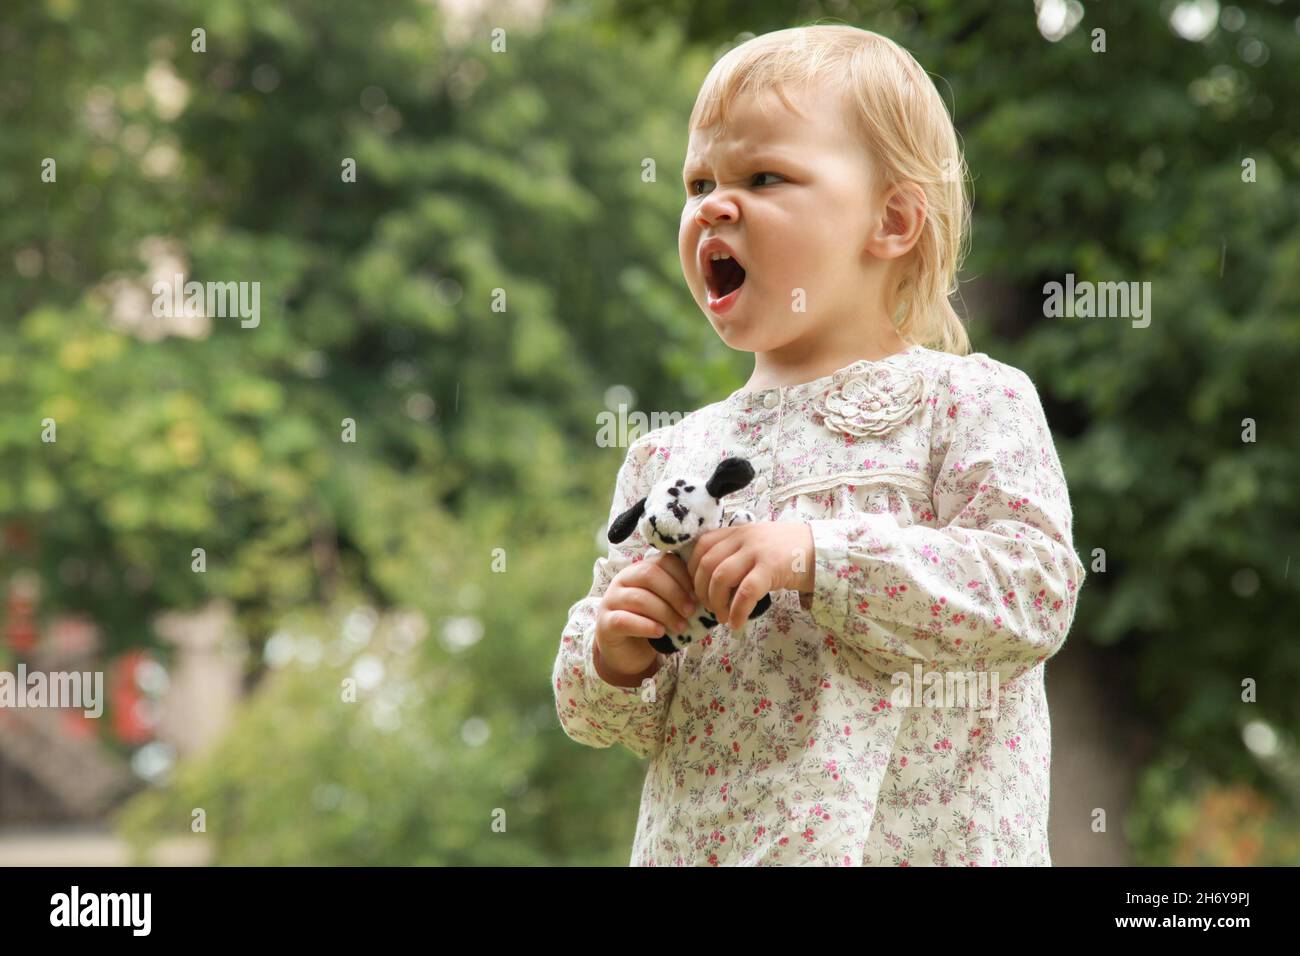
764	155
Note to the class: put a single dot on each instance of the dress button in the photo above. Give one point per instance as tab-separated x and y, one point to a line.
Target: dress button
770	400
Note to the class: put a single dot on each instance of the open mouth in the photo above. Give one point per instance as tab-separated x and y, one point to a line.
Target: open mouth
723	276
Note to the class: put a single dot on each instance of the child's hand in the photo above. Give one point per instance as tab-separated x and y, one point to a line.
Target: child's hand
645	599
753	559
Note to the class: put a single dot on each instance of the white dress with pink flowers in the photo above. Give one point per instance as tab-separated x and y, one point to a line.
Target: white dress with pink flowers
899	719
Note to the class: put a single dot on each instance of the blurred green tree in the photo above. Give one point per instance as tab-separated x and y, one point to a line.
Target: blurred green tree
516	179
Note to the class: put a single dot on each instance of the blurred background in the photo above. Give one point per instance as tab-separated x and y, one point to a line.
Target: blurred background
462	218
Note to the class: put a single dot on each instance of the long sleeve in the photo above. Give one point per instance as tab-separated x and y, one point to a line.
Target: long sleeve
592	711
993	587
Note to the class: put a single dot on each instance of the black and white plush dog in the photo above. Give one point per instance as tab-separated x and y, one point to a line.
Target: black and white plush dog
674	515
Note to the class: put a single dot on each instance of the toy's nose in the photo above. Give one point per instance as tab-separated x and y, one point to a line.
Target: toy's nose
678	510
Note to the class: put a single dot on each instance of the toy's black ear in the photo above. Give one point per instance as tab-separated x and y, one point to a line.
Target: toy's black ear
625	523
730	475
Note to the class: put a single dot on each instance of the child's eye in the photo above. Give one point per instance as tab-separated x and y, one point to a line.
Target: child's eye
696	182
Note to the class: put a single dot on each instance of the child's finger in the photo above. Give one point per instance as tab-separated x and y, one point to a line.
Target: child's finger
706	572
726	576
747	596
702	545
673	598
648	603
631	624
675	587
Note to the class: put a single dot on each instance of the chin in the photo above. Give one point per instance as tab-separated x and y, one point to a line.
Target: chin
744	333
732	323
733	335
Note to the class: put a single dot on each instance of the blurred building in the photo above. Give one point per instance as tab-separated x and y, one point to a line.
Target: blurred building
64	772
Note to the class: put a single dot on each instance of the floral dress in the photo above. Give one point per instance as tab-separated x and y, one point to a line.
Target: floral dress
834	731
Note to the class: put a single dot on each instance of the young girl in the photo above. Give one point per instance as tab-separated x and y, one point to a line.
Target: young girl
913	522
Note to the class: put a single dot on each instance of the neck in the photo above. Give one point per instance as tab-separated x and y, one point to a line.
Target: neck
796	363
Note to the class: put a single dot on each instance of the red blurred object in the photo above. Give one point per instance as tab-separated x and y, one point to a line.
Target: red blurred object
20	612
74	723
22	635
129	721
17	536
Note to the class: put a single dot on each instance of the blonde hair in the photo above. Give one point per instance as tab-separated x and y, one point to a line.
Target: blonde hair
906	125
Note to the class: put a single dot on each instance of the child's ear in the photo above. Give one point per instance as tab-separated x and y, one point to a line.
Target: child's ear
730	475
902	217
625	523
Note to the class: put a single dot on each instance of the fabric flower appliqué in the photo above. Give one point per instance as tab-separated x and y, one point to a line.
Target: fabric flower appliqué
873	402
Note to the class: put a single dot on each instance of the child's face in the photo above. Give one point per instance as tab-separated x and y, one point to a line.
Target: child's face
790	195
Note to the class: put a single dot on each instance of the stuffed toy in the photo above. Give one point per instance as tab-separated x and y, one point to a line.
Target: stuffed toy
673	516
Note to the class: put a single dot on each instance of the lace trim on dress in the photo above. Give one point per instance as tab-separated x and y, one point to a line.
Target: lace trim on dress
814	484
